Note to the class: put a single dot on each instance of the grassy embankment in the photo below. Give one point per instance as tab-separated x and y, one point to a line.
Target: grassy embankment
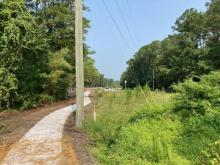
131	130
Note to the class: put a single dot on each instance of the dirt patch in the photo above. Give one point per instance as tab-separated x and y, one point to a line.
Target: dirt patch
76	141
14	125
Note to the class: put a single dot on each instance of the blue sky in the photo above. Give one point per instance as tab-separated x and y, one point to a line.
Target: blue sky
140	22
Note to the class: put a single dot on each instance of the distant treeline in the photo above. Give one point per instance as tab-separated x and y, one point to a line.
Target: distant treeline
105	82
37	63
193	50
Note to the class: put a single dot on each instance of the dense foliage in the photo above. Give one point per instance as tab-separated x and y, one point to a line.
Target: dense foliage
198	97
161	128
197	103
37	63
130	130
193	50
181	128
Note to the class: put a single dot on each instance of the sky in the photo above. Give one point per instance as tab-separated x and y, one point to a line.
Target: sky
116	35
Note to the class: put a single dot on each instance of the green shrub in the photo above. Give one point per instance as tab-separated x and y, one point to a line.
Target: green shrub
8	88
198	103
146	131
144	142
28	101
45	99
200	97
211	156
196	134
136	132
35	100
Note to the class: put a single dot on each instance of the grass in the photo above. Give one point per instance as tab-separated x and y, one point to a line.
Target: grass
133	130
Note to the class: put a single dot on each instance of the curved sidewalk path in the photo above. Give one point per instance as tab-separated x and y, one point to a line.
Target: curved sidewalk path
42	144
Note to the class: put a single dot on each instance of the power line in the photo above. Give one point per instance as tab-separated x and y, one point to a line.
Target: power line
129	10
121	34
129	13
125	22
117	26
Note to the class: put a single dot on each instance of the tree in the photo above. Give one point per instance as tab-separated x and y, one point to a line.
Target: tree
192	50
192	24
37	52
213	33
17	38
179	58
60	77
140	68
92	75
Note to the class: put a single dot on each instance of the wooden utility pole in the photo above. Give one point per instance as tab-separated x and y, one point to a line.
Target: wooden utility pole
79	63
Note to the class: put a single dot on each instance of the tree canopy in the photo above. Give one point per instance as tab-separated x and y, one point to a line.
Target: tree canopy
37	63
192	50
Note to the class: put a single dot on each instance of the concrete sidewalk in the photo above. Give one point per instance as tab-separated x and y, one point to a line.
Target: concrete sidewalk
42	144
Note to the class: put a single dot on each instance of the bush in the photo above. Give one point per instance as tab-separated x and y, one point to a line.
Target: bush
33	101
136	132
196	135
198	103
8	88
212	154
198	97
45	99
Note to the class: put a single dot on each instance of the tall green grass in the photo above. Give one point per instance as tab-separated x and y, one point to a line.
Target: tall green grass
131	129
126	130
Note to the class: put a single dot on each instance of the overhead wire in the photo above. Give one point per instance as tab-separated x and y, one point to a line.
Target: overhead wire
117	26
129	13
126	22
124	39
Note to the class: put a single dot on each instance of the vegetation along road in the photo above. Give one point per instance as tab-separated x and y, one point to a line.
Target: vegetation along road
164	110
